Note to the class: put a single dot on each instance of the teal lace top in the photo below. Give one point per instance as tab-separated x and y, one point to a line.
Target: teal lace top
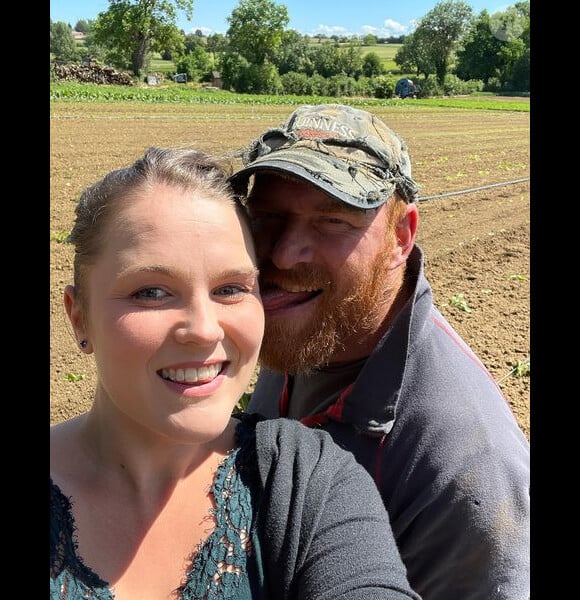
226	566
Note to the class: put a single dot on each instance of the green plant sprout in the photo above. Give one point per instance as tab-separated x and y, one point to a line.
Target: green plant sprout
459	302
59	236
74	377
522	368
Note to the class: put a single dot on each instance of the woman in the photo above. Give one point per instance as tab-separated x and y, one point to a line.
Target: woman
159	491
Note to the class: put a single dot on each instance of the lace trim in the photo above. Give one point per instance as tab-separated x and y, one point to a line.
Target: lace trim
69	576
219	564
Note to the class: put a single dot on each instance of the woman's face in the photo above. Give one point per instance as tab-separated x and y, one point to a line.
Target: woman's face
174	315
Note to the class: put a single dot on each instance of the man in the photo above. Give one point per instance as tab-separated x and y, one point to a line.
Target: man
354	345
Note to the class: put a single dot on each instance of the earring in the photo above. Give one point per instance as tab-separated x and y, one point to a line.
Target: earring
83	344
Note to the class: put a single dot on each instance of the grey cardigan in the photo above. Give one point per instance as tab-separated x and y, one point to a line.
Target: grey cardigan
323	528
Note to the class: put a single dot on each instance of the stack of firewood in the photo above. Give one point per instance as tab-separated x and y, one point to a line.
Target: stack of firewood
92	73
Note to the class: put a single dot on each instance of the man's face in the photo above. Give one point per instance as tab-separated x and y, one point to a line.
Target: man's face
324	274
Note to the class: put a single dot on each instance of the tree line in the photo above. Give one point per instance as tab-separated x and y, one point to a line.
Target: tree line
450	51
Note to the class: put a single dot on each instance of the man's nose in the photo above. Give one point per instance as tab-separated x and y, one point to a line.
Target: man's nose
292	245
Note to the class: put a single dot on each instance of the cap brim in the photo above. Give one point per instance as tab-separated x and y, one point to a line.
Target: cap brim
358	187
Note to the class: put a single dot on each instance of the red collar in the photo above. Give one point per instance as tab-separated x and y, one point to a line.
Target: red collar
334	411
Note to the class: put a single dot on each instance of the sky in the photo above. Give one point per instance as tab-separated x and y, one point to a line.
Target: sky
328	17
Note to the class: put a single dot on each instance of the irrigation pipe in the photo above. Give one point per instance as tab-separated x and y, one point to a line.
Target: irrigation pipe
475	189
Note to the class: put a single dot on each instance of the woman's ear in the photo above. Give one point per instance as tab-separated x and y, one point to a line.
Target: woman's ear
405	235
76	317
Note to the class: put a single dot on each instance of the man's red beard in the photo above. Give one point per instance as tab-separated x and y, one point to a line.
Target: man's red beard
353	307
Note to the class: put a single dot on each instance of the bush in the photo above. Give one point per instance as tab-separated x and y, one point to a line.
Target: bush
372	65
383	86
340	85
295	83
261	79
197	64
493	85
429	87
233	67
453	86
473	86
366	86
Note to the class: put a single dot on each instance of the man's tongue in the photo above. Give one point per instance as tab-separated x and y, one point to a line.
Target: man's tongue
276	299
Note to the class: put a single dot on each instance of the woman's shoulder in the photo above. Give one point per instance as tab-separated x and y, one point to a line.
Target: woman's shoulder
64	449
284	431
289	445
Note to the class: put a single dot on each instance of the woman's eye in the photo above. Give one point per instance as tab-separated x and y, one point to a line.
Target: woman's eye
152	293
230	290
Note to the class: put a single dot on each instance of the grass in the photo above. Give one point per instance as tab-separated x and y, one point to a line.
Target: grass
386	53
158	65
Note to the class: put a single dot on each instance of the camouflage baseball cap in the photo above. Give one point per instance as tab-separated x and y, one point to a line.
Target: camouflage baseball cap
347	152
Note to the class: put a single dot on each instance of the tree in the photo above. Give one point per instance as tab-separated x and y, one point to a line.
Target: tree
192	41
415	55
514	30
256	30
479	57
233	67
498	47
372	65
370	39
293	53
83	26
442	29
351	61
133	28
197	63
326	59
62	42
216	43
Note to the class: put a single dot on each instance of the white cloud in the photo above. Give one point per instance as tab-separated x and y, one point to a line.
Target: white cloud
394	28
205	30
389	28
331	30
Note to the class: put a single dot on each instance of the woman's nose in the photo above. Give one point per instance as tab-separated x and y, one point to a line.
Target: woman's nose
199	324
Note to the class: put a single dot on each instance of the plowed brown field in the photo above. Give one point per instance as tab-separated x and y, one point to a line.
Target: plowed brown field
476	244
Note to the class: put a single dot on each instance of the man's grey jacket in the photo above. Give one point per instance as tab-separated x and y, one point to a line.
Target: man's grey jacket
432	427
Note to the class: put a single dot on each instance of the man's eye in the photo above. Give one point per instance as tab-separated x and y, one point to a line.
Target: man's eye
266	219
152	293
333	220
332	224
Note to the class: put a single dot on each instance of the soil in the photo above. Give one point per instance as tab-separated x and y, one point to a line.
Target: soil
477	244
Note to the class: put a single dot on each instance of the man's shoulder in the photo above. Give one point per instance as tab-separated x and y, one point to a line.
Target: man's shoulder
266	394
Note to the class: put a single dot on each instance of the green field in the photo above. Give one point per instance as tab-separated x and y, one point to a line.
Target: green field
158	65
386	53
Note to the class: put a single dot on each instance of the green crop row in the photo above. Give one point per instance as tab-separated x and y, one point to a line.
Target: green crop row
81	92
